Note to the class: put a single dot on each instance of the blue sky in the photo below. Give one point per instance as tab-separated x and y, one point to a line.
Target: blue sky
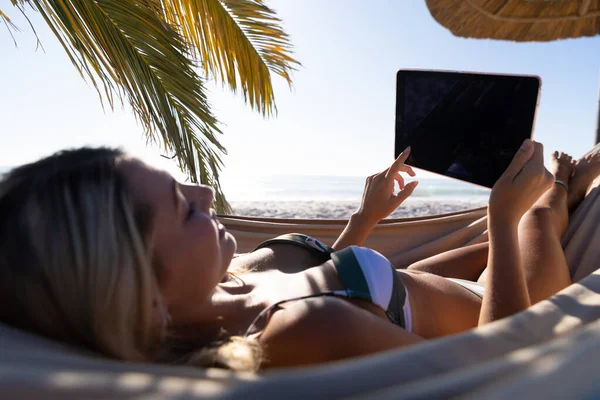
339	117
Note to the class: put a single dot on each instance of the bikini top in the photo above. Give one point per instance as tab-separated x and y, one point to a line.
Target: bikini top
364	273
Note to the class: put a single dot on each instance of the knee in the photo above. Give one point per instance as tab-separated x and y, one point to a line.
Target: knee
414	266
540	214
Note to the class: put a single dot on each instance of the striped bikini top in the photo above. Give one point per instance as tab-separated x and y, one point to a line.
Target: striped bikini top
364	273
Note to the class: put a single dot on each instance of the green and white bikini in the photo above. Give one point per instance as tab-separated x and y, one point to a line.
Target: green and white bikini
364	273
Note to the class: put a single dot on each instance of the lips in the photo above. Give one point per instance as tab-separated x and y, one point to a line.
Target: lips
220	226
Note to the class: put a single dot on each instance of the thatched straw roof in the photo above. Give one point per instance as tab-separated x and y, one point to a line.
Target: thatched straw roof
518	20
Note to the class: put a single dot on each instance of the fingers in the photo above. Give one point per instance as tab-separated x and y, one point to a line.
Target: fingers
535	166
534	169
407	169
407	191
538	153
400	181
524	154
534	172
399	162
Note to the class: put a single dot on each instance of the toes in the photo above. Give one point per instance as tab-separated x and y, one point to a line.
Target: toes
562	157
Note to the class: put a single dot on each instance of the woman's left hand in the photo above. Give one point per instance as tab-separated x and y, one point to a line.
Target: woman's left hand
378	199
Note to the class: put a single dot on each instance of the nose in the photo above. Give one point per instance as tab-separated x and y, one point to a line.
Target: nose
207	196
203	195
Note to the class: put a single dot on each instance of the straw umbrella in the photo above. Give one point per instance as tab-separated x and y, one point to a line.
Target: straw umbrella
519	20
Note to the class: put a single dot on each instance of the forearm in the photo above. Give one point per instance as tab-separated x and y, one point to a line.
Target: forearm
355	233
506	288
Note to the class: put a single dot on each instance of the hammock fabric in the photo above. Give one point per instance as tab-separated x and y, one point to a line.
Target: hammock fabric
550	349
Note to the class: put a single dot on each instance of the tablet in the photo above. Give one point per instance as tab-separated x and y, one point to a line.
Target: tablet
464	125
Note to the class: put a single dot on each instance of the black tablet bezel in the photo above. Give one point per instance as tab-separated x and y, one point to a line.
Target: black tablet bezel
401	76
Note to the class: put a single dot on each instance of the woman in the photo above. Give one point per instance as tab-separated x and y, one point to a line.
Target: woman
104	252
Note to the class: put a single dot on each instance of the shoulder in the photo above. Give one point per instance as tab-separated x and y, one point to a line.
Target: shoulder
304	332
317	316
326	329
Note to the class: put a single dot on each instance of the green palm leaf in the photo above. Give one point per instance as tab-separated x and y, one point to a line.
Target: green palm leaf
129	50
239	41
143	51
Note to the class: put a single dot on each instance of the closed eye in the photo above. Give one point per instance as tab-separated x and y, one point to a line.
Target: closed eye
191	210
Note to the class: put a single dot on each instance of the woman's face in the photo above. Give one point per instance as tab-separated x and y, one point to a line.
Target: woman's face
192	248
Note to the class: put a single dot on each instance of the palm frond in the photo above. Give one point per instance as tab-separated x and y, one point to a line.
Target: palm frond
9	25
4	16
128	52
239	41
20	5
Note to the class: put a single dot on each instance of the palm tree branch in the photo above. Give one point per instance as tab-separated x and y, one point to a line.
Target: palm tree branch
129	49
5	17
9	25
240	41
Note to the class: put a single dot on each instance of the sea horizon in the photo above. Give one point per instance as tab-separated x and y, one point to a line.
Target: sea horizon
310	187
336	188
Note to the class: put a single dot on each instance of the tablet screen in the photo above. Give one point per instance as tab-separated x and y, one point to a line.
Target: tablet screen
463	125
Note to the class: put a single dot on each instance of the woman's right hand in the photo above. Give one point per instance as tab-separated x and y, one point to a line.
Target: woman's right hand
523	182
379	200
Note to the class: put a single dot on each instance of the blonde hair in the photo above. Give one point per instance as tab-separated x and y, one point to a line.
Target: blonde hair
76	260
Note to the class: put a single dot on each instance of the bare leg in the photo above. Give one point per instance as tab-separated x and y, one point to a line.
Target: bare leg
469	262
586	170
541	228
463	263
561	166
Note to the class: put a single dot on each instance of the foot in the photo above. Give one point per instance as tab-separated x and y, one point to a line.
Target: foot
561	166
586	170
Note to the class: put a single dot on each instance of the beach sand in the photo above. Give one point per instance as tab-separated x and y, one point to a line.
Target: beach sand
343	209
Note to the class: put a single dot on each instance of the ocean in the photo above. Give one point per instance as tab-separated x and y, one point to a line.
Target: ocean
339	188
337	197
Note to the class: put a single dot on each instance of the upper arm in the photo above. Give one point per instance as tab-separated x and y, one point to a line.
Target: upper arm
327	329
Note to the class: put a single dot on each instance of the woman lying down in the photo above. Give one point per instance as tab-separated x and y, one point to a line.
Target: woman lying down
101	251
